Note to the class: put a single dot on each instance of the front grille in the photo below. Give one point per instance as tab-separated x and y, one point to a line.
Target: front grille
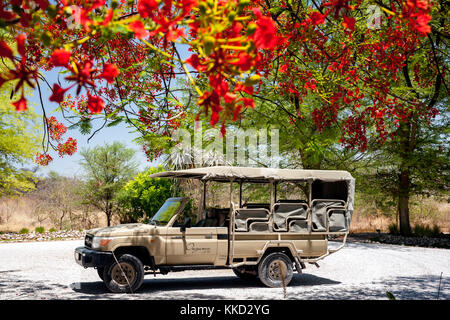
88	241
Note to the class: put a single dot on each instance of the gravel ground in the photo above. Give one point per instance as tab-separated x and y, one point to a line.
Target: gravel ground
47	270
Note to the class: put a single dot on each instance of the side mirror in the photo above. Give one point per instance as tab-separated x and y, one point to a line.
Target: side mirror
187	224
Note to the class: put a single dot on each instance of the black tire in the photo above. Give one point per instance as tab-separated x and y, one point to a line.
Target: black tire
269	270
100	271
245	273
133	269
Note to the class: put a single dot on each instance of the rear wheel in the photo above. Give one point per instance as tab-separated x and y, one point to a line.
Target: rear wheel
274	269
246	273
125	276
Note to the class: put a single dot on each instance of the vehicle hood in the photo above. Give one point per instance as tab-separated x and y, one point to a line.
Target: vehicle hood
129	229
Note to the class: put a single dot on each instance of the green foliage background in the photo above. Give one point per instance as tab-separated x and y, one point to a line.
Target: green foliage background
142	197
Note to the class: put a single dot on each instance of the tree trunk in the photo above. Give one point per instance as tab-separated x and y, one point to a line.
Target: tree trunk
108	218
108	210
403	202
61	220
406	134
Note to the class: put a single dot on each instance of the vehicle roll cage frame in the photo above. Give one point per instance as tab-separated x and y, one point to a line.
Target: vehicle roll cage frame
272	183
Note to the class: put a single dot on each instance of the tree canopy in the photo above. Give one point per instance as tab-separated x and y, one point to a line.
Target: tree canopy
121	59
108	168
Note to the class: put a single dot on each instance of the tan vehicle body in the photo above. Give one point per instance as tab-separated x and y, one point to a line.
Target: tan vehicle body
301	234
170	246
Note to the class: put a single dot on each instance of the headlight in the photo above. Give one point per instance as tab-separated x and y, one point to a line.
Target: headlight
99	242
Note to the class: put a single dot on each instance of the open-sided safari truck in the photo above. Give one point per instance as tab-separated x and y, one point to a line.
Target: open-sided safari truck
267	240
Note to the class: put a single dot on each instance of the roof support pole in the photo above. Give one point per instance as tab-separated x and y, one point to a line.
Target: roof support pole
275	191
310	192
231	226
204	195
310	182
240	194
272	202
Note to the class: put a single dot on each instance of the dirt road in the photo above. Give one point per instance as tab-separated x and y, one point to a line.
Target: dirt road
47	270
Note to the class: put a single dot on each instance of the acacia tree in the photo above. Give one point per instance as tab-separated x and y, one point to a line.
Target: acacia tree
107	169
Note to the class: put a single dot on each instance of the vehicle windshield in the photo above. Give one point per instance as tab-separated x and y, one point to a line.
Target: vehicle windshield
166	212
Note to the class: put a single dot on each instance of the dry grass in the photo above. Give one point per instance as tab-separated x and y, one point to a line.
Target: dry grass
369	223
18	213
423	211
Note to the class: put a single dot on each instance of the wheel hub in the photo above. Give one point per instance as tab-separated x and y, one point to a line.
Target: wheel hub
275	270
121	272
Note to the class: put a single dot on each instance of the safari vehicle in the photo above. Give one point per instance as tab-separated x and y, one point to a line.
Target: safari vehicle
256	240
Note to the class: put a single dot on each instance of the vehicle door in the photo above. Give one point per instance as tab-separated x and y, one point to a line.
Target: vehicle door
194	245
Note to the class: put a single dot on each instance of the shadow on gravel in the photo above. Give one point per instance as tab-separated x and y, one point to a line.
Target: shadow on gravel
200	283
306	286
14	287
403	288
302	287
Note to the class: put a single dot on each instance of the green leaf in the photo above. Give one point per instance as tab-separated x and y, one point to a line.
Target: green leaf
85	126
114	122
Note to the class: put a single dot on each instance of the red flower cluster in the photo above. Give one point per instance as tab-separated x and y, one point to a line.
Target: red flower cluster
110	72
43	159
83	75
265	36
67	148
55	129
226	56
95	104
417	14
60	57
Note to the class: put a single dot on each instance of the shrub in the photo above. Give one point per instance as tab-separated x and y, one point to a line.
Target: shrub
52	230
142	197
422	230
393	229
24	231
39	230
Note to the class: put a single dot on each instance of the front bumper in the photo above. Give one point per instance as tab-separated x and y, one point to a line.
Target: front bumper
91	258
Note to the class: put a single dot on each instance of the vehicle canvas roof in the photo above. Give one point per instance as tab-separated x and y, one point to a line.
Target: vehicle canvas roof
226	173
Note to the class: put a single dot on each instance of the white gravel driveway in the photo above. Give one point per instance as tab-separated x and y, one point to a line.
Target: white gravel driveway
47	270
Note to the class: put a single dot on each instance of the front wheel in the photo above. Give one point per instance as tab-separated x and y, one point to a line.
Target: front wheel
125	276
275	270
